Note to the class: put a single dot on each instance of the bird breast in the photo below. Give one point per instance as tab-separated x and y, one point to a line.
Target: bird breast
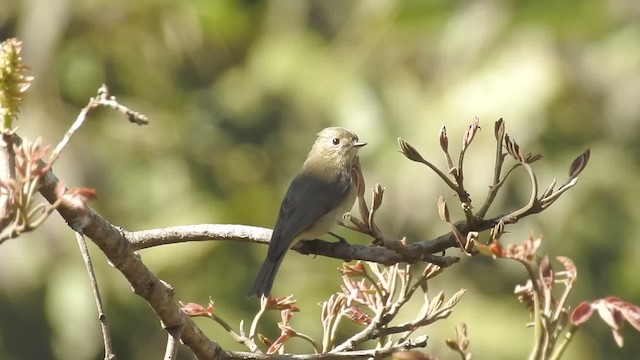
329	220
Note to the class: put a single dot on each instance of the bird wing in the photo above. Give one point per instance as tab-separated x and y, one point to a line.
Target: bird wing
307	200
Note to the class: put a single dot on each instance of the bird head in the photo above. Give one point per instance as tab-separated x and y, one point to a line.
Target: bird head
334	147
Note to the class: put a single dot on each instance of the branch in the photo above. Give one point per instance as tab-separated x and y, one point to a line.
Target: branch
227	232
7	173
499	131
177	234
111	240
418	342
173	340
106	337
101	99
419	251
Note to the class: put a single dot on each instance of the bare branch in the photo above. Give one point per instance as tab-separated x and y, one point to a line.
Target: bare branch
533	206
499	131
469	134
7	173
172	235
383	353
113	243
412	154
102	317
173	340
101	99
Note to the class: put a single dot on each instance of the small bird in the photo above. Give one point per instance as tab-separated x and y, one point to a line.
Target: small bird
315	201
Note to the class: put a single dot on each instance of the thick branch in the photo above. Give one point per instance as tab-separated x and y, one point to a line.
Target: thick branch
158	294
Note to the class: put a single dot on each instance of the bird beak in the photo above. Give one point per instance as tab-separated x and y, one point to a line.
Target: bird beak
358	144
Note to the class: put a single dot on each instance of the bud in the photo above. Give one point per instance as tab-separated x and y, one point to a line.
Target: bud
513	149
498	129
409	151
471	131
13	82
579	164
443	210
444	140
378	192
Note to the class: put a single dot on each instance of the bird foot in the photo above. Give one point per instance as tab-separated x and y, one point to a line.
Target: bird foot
340	238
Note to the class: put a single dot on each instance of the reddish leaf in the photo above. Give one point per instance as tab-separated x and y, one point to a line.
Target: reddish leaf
357	316
581	313
607	309
629	311
569	266
496	248
193	309
606	313
356	269
412	355
265	340
488	250
545	269
281	303
79	197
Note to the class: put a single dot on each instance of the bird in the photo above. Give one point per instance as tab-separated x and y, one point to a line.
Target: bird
315	201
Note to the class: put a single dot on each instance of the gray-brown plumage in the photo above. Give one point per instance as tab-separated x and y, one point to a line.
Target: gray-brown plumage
316	199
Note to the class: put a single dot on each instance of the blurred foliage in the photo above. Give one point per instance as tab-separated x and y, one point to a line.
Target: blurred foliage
236	91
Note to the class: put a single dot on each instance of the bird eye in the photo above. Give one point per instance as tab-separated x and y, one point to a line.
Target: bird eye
335	141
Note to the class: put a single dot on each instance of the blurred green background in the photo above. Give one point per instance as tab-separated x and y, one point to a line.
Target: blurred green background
236	91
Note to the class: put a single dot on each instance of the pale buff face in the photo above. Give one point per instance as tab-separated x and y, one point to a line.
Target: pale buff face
336	145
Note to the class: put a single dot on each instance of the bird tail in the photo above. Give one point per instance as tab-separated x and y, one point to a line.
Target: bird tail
264	280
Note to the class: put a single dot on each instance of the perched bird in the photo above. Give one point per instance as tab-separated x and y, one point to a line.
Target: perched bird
316	199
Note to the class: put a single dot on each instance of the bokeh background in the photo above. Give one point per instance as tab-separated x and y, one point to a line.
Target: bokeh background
236	91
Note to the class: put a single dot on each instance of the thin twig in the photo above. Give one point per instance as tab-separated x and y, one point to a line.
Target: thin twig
383	353
533	206
537	314
566	339
493	188
256	319
101	99
240	338
173	340
362	336
117	249
102	317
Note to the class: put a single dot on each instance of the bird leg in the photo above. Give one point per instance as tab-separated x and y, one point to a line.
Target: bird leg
340	238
